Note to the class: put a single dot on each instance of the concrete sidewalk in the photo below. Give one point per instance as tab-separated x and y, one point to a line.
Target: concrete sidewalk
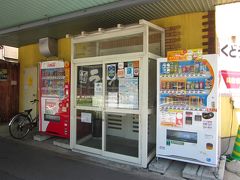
26	162
80	158
175	172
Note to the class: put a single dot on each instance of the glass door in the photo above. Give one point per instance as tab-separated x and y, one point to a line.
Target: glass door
89	104
122	109
107	109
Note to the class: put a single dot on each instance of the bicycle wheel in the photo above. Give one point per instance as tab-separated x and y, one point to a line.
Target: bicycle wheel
19	126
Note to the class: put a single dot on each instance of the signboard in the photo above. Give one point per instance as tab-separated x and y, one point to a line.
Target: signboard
231	79
51	106
111	72
228	34
52	64
86	117
183	55
3	75
8	53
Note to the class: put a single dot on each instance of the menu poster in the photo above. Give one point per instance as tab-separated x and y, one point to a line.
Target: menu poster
120	73
97	98
120	65
128	72
89	74
111	72
136	68
83	77
82	81
86	117
112	99
130	64
87	77
168	118
98	89
51	106
136	72
112	86
136	64
171	118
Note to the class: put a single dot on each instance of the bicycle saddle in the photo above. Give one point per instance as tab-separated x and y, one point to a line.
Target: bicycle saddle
28	111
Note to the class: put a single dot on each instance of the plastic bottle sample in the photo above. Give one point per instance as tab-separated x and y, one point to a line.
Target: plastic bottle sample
192	85
188	85
171	68
201	85
163	85
175	67
191	69
196	67
179	85
179	69
196	85
168	68
164	68
167	85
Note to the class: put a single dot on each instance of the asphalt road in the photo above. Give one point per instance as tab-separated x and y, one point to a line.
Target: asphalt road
24	162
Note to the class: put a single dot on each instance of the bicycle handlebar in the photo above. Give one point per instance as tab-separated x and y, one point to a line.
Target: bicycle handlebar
34	101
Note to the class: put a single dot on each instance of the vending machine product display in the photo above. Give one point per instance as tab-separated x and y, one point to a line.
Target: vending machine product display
54	84
187	110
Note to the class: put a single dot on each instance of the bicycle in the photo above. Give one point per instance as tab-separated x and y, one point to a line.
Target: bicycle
22	123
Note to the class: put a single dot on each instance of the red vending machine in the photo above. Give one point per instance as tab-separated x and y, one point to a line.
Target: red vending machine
54	98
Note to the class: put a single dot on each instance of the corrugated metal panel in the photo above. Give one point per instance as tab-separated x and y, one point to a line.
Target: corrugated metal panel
17	12
163	8
219	2
109	18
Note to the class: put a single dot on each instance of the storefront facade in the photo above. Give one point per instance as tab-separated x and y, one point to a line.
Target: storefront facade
113	113
184	31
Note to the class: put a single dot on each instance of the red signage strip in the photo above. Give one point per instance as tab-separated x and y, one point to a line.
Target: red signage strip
231	79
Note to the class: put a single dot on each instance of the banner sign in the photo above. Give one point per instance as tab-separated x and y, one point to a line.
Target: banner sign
184	55
231	79
228	35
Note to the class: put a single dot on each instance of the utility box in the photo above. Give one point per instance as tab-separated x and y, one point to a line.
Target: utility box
48	47
8	53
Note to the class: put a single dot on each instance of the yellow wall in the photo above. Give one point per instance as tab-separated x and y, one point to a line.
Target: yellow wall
191	28
228	117
29	56
191	37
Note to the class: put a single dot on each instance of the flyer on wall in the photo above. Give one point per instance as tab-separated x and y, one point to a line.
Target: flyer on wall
128	93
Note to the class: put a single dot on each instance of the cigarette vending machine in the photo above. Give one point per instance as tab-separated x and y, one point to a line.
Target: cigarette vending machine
187	110
54	91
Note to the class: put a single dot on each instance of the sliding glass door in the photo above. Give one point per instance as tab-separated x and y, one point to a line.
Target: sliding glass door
107	109
89	104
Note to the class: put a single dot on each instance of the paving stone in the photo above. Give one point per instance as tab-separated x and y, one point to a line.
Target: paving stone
175	170
200	172
233	166
190	171
210	173
159	165
64	143
231	176
41	137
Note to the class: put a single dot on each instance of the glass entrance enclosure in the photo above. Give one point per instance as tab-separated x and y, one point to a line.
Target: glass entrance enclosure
113	92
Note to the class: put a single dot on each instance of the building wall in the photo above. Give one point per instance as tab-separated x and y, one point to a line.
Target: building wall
188	34
229	125
190	28
29	56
